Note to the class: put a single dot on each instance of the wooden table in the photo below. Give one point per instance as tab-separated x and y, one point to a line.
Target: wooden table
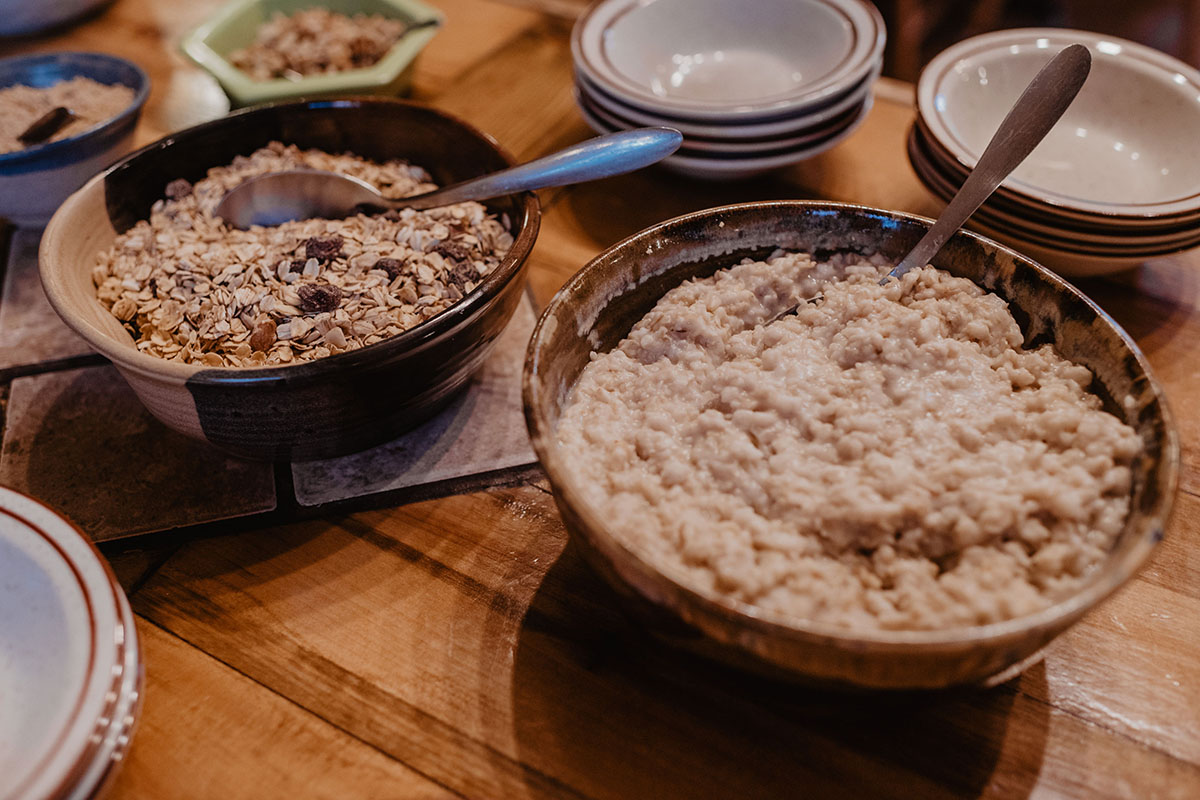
458	646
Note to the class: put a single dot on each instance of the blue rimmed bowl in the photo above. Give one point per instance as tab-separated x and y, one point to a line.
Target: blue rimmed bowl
35	181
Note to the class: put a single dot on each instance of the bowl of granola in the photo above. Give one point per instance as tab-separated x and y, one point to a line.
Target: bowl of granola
63	118
269	50
309	339
910	485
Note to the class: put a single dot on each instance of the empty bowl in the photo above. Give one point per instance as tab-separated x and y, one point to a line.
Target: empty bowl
1111	185
313	409
72	673
752	87
717	60
599	306
1125	146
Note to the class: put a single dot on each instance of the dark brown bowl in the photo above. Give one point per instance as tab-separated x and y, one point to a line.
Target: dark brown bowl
321	408
597	308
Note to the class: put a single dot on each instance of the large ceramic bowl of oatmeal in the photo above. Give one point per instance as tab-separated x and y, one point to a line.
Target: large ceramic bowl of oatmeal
309	339
915	484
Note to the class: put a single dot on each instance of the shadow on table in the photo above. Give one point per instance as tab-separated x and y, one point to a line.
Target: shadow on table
603	708
608	211
82	442
1153	302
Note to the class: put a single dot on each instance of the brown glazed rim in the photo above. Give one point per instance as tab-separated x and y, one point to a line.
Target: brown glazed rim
87	755
526	226
1107	579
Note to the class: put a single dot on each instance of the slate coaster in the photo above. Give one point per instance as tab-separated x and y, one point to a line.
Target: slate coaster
80	441
482	431
30	331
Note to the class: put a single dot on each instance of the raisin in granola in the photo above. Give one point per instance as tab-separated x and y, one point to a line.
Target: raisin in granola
323	248
318	297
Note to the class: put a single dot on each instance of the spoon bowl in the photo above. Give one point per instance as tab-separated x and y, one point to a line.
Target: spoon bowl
280	197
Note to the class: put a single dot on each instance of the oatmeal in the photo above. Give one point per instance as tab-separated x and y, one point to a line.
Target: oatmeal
89	102
316	42
890	458
190	288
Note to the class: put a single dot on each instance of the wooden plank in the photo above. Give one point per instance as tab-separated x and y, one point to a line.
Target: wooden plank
208	732
519	93
133	565
1131	667
473	33
1176	565
523	679
1157	305
464	636
565	9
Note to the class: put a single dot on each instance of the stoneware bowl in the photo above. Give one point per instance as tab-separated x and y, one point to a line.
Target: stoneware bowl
705	60
234	26
71	667
597	308
1125	147
320	408
731	130
726	165
1068	250
34	181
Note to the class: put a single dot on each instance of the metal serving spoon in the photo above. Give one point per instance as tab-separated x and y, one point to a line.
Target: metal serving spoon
1033	115
278	197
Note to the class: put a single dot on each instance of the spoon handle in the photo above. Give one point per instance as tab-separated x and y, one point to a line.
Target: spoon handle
46	126
1036	111
601	157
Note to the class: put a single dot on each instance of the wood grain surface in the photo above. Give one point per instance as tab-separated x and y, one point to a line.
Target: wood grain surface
459	646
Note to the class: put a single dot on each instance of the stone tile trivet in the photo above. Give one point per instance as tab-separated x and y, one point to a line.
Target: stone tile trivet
482	431
30	331
81	441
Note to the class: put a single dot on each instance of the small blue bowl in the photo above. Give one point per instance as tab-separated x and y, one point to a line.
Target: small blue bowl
35	181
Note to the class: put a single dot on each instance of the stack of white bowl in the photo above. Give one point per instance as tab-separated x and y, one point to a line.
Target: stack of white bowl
70	672
1117	180
753	85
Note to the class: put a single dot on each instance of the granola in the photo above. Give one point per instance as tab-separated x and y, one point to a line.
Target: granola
90	104
316	42
189	288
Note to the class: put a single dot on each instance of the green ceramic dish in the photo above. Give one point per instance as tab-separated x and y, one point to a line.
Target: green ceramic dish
234	26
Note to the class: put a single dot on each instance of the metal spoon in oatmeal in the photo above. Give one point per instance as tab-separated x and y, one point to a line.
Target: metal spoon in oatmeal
280	197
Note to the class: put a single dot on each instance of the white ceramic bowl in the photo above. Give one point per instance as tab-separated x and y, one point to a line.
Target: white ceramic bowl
1072	258
1036	226
70	674
717	60
1064	262
727	167
1126	146
725	131
747	147
1017	203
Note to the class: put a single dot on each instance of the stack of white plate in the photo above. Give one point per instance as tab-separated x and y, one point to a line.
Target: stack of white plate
70	673
753	85
1117	180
